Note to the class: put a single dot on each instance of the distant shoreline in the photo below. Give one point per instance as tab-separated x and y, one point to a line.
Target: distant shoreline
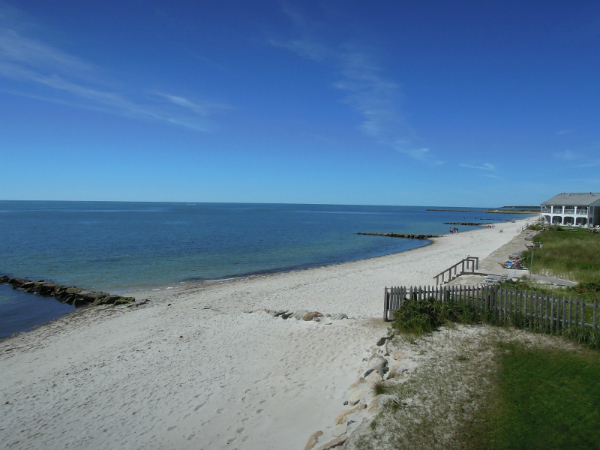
491	211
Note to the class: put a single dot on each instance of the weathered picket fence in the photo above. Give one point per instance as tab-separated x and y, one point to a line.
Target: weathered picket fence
530	309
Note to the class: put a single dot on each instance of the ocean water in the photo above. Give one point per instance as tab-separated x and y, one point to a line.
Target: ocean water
119	246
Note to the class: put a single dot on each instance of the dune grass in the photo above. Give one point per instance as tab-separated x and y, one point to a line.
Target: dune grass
570	253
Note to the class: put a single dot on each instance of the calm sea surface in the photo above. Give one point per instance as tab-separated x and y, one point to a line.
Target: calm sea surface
122	246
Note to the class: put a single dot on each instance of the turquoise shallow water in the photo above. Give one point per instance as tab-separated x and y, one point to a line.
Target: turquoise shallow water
116	246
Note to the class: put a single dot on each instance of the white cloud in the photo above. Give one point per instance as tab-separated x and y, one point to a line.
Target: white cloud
484	166
593	163
303	48
366	89
566	155
54	73
201	108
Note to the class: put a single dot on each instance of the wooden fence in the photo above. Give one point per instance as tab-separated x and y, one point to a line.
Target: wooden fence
530	309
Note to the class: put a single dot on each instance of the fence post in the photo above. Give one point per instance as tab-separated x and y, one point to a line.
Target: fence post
385	304
552	327
527	318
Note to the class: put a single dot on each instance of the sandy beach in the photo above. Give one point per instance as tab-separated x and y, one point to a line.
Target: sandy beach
204	366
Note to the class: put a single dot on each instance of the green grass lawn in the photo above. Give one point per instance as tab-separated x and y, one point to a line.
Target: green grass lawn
545	399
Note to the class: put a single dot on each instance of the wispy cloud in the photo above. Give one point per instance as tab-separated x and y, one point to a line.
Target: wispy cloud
592	163
202	108
566	155
484	166
563	132
303	47
366	88
48	73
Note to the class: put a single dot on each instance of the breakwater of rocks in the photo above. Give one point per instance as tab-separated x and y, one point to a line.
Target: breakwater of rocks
67	294
472	224
406	236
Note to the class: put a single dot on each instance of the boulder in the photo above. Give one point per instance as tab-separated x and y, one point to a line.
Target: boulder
396	370
398	355
299	314
382	340
335	443
16	283
378	363
356	383
312	441
338	316
356	397
311	315
45	289
29	287
377	403
342	418
374	378
3	279
340	430
124	301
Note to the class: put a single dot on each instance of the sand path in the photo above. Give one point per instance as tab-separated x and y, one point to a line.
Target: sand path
203	367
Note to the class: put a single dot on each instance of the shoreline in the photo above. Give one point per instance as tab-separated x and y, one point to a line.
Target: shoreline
203	366
270	273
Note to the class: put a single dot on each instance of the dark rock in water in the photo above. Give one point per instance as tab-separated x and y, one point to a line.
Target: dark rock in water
405	236
67	294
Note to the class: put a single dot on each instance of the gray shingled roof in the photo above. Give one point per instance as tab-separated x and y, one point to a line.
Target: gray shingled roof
584	199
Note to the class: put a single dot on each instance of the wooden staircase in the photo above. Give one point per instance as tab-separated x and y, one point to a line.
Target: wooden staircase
468	265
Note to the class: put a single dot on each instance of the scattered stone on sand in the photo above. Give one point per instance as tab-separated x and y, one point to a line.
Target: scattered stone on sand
338	316
398	355
356	383
356	397
373	378
335	443
299	314
378	363
342	418
312	441
311	315
340	430
377	403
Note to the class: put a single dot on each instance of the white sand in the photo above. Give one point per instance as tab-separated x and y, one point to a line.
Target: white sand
200	367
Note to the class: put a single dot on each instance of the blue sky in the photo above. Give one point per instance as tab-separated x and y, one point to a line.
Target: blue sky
464	103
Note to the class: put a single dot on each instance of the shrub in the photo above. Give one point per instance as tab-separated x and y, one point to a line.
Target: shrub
422	316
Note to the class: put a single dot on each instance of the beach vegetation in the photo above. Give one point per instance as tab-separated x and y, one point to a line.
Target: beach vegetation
418	316
380	388
493	388
569	253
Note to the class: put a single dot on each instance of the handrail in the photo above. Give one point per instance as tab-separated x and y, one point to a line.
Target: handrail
472	263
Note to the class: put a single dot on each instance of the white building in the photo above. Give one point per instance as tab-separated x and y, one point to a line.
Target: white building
573	209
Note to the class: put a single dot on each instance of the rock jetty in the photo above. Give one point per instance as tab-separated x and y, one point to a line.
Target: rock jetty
472	224
406	236
66	294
